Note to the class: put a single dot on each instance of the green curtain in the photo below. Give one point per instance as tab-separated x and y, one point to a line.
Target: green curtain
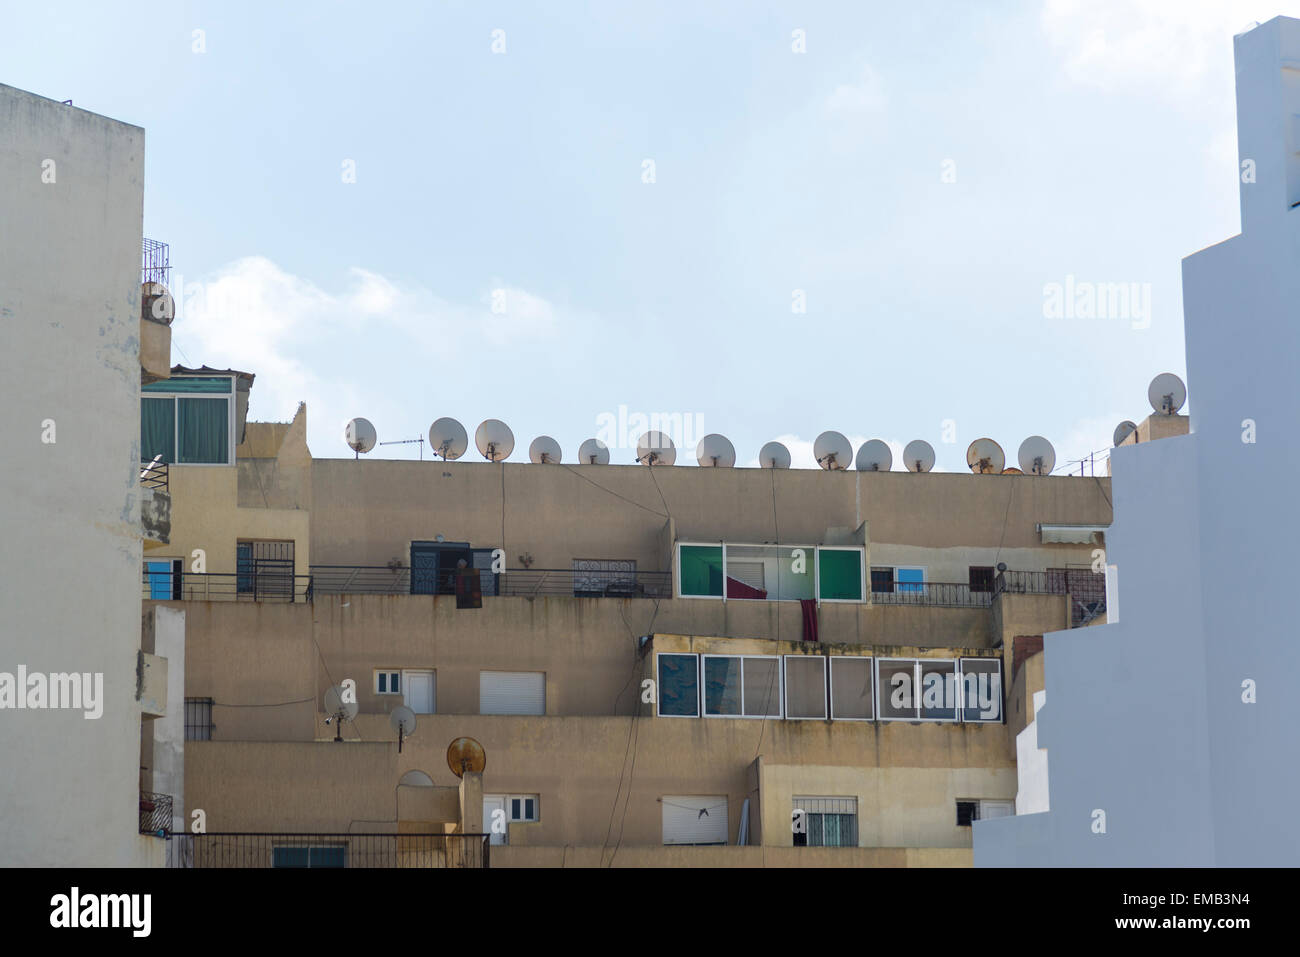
204	435
700	570
157	429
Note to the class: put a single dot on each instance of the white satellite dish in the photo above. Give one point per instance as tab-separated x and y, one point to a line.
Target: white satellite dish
360	435
447	438
337	710
774	455
655	448
593	452
1036	456
1166	393
715	451
832	451
875	456
402	720
544	450
494	440
156	303
918	456
1124	430
985	457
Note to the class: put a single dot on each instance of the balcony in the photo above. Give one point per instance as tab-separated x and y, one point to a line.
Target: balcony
155	813
514	582
168	582
936	594
1085	588
281	850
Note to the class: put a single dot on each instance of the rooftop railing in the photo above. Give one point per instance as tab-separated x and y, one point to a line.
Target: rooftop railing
1086	588
324	850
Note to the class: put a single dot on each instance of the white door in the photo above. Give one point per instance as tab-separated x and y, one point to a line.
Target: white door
512	692
419	693
695	819
498	827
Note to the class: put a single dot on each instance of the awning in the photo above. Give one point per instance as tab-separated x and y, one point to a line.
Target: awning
1072	534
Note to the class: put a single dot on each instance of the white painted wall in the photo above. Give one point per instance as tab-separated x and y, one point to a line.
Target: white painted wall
69	511
169	730
1031	765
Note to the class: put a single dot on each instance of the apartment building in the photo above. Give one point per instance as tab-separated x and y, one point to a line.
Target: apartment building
667	666
92	753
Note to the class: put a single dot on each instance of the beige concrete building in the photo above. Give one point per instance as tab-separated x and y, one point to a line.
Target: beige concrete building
696	667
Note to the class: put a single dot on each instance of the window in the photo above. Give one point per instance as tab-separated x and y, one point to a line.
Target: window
882	579
388	682
771	572
981	578
162	578
910	579
522	807
839	574
264	569
917	689
695	819
825	822
973	810
198	719
318	855
741	686
937	681
699	570
188	420
981	687
851	693
512	692
435	566
679	685
805	686
896	679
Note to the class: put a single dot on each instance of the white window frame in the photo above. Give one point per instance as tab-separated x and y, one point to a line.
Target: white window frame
916	691
857	820
389	672
1002	702
677	571
864	586
231	398
826	701
871	672
925	578
699	691
780	691
521	798
433	675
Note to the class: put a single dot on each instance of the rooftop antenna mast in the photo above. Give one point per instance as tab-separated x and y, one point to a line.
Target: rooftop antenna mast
420	440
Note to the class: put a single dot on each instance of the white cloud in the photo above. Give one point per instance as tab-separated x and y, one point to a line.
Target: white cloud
865	95
1150	46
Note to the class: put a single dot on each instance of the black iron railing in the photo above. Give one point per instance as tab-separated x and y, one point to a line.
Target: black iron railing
228	586
518	582
154	475
155	262
155	813
1086	588
324	850
949	594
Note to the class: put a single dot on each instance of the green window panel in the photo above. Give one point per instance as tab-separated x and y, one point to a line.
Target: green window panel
841	575
158	429
214	384
700	570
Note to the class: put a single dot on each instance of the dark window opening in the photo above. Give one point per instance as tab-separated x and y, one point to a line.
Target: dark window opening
981	578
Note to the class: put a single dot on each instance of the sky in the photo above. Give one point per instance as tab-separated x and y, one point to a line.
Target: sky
760	219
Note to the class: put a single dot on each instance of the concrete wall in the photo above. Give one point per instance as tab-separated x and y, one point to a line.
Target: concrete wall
70	508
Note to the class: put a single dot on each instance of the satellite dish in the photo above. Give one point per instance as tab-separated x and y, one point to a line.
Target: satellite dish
544	450
1124	430
918	456
774	455
156	303
655	448
466	754
337	710
1037	457
402	721
875	456
715	451
985	457
593	452
494	439
832	451
1166	393
447	438
1012	471
360	435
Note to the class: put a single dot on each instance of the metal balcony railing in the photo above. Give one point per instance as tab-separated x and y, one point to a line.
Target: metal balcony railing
155	813
154	475
518	582
941	594
229	586
280	850
1086	588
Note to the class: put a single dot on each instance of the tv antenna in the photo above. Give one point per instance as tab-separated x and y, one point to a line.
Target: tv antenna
1036	456
402	721
875	456
774	455
337	710
985	457
593	452
918	456
544	450
466	755
408	442
1166	393
447	438
655	448
715	451
494	440
360	435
